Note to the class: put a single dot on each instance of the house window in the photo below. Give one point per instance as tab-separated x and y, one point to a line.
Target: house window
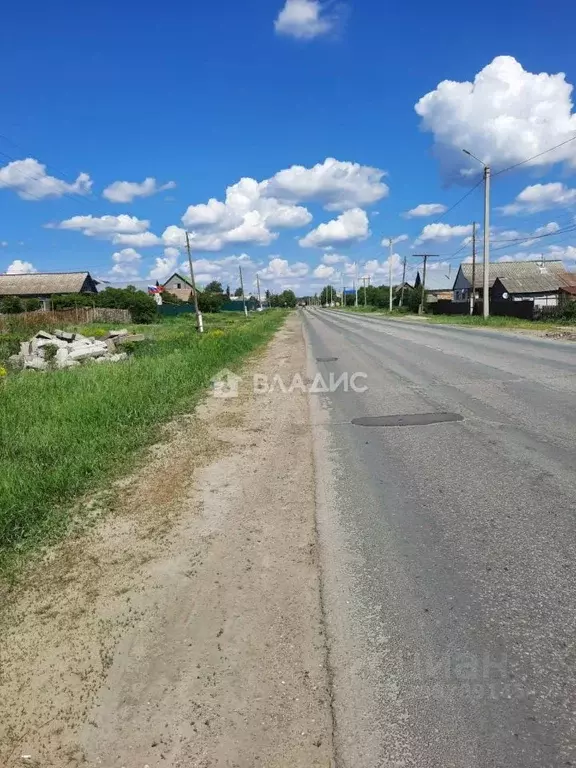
178	285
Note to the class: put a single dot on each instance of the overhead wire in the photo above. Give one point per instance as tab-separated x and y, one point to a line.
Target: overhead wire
534	157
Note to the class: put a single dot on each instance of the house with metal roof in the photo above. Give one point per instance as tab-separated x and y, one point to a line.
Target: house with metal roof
179	285
541	281
44	285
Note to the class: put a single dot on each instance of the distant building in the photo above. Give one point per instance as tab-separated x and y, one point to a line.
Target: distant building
542	281
438	294
44	285
179	286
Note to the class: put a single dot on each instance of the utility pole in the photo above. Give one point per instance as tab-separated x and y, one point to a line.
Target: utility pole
473	297
364	279
486	287
486	278
356	283
424	256
403	282
242	289
390	274
258	285
199	323
343	304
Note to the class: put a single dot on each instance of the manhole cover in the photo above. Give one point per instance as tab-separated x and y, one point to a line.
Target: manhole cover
406	420
326	359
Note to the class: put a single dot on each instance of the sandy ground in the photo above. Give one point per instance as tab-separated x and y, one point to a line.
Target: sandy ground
184	628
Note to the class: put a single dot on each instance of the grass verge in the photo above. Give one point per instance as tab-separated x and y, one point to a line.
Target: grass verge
64	433
476	322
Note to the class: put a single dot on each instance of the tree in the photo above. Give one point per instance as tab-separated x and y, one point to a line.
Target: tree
228	292
142	307
328	294
413	297
214	287
11	305
287	299
32	305
267	294
171	298
210	302
418	281
238	292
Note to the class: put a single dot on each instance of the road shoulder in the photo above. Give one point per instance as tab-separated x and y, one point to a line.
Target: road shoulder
185	628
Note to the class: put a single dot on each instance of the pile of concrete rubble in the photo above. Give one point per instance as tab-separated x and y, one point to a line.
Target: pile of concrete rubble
46	351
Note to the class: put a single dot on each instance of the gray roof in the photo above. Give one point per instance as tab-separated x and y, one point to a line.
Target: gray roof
42	283
523	276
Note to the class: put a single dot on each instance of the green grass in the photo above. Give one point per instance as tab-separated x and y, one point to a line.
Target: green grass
64	432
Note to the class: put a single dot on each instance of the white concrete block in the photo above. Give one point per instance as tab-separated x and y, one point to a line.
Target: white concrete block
84	353
61	356
36	363
55	342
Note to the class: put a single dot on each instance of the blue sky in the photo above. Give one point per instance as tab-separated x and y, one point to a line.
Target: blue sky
336	115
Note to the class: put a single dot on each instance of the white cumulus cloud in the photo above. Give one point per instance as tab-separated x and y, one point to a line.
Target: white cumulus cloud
323	272
29	179
504	116
540	197
244	217
126	263
279	268
395	240
333	258
19	267
307	19
127	191
165	265
426	209
442	232
334	184
351	226
137	240
104	226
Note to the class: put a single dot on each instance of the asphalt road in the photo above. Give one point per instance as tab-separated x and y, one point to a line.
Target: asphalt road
448	550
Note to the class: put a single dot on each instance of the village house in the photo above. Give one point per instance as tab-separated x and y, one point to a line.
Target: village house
541	281
44	285
180	286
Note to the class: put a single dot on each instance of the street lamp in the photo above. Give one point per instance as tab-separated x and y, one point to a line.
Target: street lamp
486	281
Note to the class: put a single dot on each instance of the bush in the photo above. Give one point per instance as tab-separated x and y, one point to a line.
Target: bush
210	302
32	305
141	306
11	305
171	298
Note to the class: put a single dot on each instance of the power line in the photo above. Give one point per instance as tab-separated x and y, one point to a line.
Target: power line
461	200
528	159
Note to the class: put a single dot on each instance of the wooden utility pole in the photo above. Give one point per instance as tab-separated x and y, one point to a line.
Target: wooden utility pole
424	256
258	285
390	296
199	323
473	297
403	282
242	289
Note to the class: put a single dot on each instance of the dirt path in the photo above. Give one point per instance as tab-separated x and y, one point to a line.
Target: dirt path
185	628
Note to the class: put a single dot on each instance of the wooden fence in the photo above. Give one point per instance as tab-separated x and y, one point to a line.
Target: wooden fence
75	316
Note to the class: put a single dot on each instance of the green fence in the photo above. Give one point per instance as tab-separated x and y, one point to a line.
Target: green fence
172	310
